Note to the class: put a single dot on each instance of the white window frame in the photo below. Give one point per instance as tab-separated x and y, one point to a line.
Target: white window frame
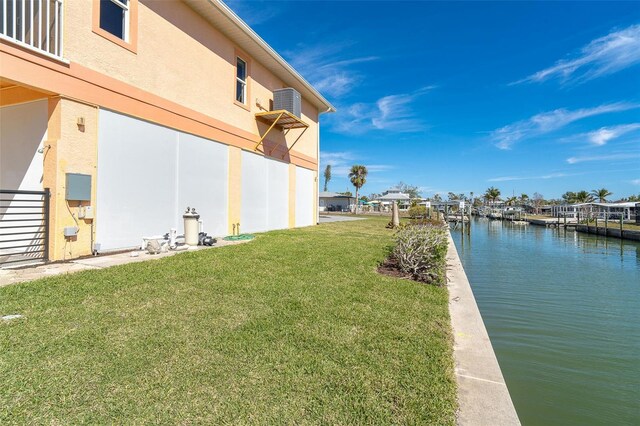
125	18
241	81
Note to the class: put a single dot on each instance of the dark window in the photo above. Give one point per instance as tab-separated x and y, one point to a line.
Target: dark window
113	17
241	80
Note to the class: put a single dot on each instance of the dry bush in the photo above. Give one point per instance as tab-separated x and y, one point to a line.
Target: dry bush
420	251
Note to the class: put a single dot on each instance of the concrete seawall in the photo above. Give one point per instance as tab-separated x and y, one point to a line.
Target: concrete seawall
625	234
482	392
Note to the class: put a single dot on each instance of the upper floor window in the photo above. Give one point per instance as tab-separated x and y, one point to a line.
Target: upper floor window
241	80
114	17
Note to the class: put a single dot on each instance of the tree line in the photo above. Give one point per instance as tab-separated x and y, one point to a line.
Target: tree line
358	177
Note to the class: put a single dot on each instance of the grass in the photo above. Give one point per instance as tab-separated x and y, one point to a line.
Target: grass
295	327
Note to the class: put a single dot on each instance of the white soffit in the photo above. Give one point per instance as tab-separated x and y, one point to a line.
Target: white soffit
225	20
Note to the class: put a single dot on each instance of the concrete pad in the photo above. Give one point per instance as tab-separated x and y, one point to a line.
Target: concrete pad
483	396
14	276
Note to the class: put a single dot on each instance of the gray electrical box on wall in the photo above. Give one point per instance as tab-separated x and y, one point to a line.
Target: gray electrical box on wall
78	187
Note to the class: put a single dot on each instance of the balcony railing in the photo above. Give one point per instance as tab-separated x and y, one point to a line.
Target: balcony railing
34	24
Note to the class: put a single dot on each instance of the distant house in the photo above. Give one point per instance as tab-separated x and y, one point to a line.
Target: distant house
334	202
394	194
626	210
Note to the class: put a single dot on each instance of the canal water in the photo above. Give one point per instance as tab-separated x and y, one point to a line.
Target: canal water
562	310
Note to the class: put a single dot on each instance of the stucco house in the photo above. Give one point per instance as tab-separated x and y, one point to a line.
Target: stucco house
117	115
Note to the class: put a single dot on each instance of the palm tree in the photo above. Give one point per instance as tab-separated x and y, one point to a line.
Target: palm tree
601	194
327	176
492	194
569	197
511	201
524	198
358	177
583	197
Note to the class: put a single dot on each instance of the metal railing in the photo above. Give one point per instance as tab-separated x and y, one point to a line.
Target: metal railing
34	24
24	227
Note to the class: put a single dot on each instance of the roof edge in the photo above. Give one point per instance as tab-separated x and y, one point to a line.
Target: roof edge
233	17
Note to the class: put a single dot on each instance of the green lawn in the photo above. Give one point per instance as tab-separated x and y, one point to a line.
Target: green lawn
295	327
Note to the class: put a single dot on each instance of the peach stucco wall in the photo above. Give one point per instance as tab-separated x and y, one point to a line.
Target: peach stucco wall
73	149
181	57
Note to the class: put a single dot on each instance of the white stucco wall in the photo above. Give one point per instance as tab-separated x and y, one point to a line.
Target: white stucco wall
304	197
254	209
265	194
148	175
23	130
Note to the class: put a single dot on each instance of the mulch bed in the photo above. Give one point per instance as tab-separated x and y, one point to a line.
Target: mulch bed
390	268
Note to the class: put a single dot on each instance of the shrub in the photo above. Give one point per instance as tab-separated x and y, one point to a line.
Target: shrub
421	251
416	212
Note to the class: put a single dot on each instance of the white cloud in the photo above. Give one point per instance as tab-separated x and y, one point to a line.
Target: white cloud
512	178
606	157
605	134
391	113
319	66
341	163
635	182
257	12
603	56
550	121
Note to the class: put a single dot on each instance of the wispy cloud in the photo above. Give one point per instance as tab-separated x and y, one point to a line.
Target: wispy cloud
547	176
635	182
257	12
341	163
606	134
394	113
326	67
603	56
606	157
546	122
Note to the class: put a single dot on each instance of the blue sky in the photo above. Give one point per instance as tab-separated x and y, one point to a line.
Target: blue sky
452	96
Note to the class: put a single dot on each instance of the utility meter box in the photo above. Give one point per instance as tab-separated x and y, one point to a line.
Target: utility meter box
78	187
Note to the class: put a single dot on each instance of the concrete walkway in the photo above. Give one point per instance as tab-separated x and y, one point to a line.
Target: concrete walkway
13	276
482	392
328	218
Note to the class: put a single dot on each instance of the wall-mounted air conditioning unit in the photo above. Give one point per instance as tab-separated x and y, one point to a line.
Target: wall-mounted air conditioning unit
288	99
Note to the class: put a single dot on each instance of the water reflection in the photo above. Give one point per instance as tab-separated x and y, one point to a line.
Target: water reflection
561	308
